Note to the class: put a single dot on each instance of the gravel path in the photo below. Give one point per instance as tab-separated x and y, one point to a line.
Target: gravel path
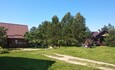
82	61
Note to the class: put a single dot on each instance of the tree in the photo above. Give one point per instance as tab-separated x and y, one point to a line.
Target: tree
71	30
66	31
3	36
105	28
33	37
110	39
68	18
33	29
45	30
79	28
55	30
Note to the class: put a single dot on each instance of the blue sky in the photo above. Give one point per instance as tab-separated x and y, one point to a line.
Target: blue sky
32	12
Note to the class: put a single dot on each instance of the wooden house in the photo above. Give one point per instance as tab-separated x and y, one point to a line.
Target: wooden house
15	34
99	37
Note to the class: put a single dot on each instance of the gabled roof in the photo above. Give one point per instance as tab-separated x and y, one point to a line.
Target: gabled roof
15	30
99	34
95	34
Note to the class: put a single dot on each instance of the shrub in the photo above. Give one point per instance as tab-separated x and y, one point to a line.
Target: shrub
2	50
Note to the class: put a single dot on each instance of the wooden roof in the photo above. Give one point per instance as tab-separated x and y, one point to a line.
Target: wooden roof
99	34
95	34
15	30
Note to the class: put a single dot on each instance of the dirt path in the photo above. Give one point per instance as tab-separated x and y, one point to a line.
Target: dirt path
29	49
81	61
24	49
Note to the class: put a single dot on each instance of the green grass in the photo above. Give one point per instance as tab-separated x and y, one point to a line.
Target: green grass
34	60
105	54
18	63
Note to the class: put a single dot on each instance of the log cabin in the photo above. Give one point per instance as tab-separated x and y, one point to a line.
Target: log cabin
99	37
15	35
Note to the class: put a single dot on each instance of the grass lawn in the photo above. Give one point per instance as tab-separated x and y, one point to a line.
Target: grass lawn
105	54
34	60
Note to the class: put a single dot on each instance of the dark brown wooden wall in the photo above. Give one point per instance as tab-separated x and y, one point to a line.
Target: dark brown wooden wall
16	43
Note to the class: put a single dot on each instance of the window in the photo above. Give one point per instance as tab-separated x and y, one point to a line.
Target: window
20	43
16	41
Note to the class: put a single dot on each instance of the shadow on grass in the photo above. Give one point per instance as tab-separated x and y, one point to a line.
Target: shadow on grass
17	63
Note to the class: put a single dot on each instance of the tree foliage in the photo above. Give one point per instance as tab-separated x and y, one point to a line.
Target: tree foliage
71	30
3	36
110	39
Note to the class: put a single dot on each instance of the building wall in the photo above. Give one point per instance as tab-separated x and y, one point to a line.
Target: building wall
16	43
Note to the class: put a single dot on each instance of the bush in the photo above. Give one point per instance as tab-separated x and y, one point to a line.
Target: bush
2	50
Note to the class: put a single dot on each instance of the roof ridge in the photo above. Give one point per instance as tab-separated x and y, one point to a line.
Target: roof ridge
12	23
